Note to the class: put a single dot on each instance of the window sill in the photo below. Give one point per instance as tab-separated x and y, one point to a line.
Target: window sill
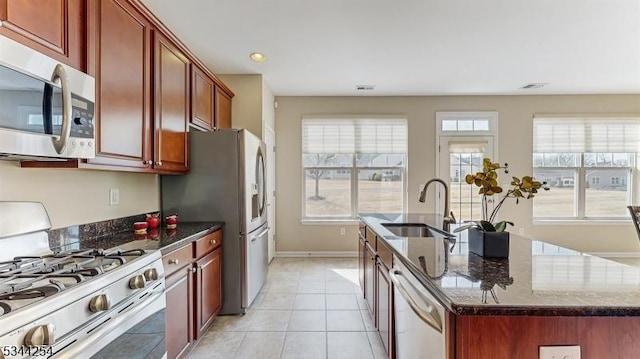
328	222
572	222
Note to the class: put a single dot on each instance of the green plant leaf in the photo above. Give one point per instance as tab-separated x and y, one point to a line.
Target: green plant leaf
502	225
486	226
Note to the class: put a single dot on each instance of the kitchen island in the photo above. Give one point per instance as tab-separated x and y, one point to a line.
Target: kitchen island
542	295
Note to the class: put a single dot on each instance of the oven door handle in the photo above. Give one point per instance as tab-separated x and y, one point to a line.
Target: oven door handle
59	143
430	316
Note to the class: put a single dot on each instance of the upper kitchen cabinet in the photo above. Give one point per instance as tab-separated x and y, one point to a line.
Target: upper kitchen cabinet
210	101
123	77
223	108
171	106
56	28
202	89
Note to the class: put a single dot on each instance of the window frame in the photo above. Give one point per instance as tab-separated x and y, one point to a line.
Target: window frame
353	170
582	166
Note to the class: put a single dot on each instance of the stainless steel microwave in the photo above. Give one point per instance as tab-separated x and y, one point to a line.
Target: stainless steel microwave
46	108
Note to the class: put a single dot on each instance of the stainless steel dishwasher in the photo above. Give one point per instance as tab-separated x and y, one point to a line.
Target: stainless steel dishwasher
420	328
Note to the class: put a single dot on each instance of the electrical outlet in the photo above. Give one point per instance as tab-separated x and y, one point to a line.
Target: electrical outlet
114	197
342	231
560	352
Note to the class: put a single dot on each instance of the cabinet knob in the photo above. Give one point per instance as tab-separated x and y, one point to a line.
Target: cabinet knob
159	163
193	270
146	162
212	241
173	261
40	335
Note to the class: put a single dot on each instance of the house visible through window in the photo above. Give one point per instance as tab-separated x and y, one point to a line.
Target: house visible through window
353	165
588	163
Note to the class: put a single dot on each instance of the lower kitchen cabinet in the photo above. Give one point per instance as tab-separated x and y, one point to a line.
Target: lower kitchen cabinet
209	290
194	292
369	280
374	262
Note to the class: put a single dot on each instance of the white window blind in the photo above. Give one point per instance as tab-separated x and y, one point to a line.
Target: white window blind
467	146
354	135
584	135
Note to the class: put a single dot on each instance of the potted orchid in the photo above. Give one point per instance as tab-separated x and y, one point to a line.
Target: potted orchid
525	187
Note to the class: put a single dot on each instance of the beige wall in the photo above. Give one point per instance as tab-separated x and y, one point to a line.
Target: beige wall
514	146
246	106
73	196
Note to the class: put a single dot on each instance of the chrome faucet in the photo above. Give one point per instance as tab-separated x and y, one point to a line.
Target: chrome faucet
448	218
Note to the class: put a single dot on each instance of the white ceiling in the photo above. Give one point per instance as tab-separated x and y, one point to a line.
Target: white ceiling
416	47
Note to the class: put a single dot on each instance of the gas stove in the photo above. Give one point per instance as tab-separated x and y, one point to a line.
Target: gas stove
73	304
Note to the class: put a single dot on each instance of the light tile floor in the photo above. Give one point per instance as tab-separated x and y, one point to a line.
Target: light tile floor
308	308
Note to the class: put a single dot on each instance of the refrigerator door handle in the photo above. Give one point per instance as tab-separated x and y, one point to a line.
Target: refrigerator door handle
262	233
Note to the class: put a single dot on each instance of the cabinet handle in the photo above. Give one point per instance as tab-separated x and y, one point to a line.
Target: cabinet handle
146	162
173	261
212	241
159	163
194	269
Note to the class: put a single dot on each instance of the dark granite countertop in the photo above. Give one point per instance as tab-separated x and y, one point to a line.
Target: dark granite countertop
163	239
538	278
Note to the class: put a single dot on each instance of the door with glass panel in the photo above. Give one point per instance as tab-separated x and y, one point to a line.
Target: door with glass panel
458	157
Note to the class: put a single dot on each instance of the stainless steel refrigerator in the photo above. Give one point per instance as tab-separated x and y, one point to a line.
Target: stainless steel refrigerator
226	182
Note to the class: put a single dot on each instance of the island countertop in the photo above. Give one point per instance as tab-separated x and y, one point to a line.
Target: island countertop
538	278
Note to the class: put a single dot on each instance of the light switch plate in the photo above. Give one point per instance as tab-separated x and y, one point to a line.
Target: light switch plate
114	197
560	352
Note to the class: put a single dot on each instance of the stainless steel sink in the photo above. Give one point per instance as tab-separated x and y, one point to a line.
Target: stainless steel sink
411	230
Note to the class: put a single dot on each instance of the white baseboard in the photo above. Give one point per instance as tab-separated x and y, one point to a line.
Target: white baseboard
332	254
616	254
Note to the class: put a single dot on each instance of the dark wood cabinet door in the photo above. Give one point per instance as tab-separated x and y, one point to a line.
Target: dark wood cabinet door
171	107
123	75
56	28
202	93
384	308
223	109
361	260
209	290
369	280
179	313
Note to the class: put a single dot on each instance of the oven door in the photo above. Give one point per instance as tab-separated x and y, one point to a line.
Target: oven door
133	329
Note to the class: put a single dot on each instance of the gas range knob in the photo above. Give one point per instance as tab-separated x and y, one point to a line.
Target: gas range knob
137	282
100	303
40	335
151	274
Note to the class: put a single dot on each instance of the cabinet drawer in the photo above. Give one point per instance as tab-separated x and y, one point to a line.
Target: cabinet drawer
363	230
371	238
177	259
384	252
208	243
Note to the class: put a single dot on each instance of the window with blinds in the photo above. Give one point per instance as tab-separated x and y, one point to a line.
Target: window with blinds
353	165
589	164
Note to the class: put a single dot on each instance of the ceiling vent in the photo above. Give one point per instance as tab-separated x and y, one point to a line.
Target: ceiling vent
535	85
365	87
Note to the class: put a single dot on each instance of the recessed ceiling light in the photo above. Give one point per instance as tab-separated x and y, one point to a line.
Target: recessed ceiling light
534	85
365	87
257	57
